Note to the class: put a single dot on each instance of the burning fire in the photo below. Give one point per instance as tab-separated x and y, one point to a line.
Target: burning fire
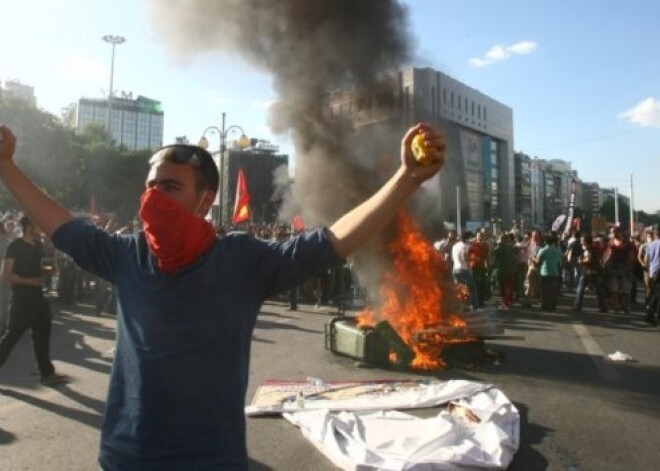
414	295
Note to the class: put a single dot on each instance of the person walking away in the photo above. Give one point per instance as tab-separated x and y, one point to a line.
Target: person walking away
589	275
188	300
549	260
29	309
504	262
461	268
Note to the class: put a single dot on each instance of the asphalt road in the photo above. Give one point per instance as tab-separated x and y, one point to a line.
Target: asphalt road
579	410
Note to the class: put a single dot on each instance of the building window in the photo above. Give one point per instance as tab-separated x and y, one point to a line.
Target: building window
433	101
452	99
444	95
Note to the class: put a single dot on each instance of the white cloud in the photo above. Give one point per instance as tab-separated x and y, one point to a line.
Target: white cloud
645	113
478	62
500	52
497	53
83	69
523	47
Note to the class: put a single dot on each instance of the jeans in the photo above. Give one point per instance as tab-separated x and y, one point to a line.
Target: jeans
590	280
570	274
464	276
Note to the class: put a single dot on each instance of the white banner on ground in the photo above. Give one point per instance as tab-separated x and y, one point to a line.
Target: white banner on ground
356	427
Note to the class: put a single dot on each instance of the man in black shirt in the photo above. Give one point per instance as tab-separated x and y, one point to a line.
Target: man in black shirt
21	268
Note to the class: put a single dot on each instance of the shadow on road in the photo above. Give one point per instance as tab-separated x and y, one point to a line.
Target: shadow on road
93	419
6	437
527	457
257	466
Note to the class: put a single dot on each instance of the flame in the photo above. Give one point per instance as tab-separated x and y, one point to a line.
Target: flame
414	294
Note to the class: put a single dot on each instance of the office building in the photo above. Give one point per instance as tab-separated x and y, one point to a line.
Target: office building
16	89
136	124
479	132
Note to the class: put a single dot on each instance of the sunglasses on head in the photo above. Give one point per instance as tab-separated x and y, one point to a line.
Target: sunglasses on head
183	153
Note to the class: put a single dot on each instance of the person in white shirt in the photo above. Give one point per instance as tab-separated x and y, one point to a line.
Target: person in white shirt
461	267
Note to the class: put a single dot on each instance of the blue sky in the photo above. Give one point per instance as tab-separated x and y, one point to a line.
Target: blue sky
581	77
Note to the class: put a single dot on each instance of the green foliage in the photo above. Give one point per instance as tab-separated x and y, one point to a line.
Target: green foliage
72	167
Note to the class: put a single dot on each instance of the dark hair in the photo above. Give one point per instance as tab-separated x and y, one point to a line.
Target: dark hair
208	177
25	223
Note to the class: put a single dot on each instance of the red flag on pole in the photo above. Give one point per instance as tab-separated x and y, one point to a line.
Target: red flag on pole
242	204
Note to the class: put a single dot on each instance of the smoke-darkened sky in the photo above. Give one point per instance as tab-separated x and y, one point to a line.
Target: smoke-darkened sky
309	47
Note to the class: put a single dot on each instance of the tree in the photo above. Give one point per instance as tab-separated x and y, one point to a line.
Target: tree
74	168
44	149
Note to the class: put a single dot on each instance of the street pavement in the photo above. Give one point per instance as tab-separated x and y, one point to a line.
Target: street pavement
579	410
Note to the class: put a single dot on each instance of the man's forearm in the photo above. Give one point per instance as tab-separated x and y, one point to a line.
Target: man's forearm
46	213
357	226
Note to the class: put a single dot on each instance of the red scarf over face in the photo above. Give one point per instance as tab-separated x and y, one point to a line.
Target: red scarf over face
174	235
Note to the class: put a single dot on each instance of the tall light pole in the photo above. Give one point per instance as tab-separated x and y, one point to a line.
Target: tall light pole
242	142
114	40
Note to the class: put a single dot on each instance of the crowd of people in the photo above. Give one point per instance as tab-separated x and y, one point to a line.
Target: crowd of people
73	285
534	267
526	267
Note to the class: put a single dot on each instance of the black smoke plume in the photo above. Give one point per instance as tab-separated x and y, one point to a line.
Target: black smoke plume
311	48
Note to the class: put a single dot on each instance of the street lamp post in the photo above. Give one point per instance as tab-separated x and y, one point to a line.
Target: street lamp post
242	142
114	41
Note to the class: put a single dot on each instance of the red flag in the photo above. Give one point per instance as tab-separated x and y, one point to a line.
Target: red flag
297	223
242	204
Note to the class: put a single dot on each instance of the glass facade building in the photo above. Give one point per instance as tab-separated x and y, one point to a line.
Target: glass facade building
478	129
136	124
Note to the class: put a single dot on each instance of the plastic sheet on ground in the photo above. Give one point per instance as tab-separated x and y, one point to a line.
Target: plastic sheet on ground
620	356
478	429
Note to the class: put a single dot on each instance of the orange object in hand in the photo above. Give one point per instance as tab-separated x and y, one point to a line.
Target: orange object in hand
423	154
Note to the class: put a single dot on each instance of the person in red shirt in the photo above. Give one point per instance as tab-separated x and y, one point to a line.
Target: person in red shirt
479	254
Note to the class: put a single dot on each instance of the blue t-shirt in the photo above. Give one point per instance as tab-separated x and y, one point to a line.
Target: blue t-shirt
177	387
653	257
